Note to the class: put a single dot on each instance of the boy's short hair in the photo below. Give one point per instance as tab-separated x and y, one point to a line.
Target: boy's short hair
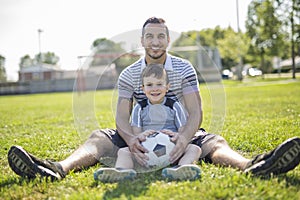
157	70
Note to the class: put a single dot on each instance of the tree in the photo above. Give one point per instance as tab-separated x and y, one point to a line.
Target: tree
265	32
232	47
289	13
25	61
48	58
2	69
107	52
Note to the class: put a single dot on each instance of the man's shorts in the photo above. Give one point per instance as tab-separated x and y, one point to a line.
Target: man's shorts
206	141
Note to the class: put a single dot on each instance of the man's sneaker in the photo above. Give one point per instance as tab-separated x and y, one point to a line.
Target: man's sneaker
110	175
27	165
282	159
183	172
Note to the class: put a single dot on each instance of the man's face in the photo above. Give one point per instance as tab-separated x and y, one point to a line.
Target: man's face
155	40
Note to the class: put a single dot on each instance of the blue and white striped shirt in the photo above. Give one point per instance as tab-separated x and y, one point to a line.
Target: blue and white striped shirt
181	73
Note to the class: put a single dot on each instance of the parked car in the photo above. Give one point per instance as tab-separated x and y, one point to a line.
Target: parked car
254	72
227	74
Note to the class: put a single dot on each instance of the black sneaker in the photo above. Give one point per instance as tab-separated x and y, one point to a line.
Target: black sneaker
27	165
282	159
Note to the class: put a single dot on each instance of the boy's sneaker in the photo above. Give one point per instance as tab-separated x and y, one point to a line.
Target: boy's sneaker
29	166
183	172
110	175
282	159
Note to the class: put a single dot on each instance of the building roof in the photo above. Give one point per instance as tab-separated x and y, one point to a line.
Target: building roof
288	62
40	68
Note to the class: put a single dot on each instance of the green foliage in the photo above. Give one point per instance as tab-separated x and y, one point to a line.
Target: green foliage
233	46
260	114
230	44
268	26
106	52
2	69
48	58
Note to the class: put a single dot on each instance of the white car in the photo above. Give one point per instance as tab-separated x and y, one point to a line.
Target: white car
254	72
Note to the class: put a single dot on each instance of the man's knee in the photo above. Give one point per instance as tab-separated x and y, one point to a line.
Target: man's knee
220	142
100	140
212	145
100	134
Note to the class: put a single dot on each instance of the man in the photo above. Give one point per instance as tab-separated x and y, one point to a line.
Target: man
184	87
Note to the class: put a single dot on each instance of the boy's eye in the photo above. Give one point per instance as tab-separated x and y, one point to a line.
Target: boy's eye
161	36
149	84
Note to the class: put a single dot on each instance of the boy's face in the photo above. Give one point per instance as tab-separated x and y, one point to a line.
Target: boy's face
155	89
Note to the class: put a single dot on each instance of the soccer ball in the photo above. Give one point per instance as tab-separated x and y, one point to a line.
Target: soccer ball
159	146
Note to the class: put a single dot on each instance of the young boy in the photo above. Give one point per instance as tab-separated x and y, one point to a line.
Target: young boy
156	113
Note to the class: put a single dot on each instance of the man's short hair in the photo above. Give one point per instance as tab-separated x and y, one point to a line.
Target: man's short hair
155	20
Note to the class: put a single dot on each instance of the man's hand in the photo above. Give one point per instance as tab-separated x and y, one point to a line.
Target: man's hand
137	149
180	145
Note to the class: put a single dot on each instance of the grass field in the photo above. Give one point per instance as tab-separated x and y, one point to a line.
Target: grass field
258	115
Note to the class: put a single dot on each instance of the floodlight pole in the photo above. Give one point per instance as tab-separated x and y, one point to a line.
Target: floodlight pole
240	65
40	51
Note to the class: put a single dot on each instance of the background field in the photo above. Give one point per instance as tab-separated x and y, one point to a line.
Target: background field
259	116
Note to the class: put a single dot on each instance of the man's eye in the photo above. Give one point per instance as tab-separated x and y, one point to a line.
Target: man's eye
149	36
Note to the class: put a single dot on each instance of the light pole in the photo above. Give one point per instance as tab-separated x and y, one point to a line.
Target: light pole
40	53
240	65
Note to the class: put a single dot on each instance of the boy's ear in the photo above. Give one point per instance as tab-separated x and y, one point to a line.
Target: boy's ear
168	86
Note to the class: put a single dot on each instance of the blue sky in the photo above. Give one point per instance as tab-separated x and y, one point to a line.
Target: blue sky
70	26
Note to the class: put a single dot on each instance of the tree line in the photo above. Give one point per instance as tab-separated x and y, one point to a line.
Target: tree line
272	30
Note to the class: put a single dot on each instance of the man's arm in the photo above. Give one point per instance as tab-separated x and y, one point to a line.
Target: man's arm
193	106
123	112
124	107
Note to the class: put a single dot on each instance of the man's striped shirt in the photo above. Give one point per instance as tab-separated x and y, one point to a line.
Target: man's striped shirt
181	73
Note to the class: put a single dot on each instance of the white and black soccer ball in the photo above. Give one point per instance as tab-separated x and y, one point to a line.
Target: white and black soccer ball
159	146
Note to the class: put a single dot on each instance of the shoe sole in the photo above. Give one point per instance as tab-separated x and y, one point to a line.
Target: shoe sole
185	172
285	158
22	164
113	175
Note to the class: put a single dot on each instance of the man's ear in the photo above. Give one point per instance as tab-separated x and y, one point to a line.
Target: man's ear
142	41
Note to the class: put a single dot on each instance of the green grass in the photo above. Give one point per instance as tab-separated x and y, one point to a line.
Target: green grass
258	115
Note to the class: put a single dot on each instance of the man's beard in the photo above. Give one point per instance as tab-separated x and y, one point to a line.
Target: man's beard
156	56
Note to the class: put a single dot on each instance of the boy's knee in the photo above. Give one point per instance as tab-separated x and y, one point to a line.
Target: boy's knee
124	151
195	149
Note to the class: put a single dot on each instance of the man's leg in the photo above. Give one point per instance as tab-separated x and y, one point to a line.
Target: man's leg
282	159
88	154
27	165
220	153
